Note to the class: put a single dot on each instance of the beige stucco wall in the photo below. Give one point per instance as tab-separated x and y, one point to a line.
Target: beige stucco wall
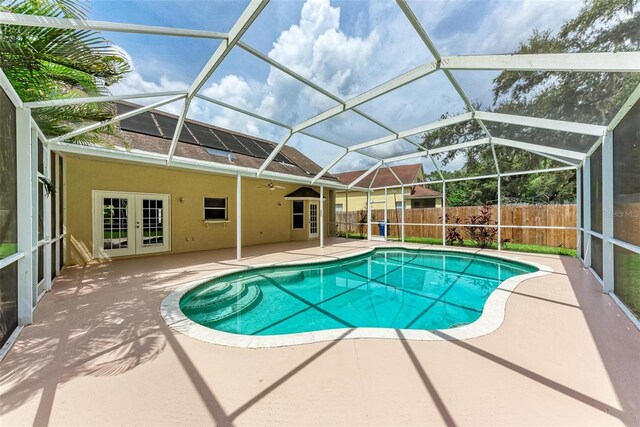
266	216
358	199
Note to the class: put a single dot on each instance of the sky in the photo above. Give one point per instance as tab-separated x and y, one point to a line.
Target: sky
346	47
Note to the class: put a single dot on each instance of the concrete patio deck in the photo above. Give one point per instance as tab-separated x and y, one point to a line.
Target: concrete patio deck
99	353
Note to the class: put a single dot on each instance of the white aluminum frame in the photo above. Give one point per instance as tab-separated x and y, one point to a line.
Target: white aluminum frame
582	62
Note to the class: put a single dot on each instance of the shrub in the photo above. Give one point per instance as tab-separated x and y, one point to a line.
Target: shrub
483	235
452	236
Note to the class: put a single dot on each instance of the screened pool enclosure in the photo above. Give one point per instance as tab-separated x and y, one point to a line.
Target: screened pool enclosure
602	154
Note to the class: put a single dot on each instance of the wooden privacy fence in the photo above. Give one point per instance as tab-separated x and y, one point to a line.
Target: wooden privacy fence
516	215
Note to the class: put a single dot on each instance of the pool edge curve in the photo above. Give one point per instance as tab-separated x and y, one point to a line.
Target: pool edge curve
489	321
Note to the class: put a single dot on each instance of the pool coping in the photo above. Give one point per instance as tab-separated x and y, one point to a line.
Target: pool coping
489	321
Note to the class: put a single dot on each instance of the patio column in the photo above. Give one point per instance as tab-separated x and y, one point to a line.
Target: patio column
579	212
346	213
46	210
239	217
385	214
26	177
402	217
321	216
586	204
368	214
499	213
607	212
444	213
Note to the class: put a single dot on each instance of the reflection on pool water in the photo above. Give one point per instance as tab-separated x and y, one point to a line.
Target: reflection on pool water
385	288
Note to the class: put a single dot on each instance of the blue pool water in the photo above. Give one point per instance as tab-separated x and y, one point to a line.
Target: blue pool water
386	288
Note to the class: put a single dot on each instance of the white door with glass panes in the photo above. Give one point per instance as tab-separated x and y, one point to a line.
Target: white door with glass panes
130	223
313	219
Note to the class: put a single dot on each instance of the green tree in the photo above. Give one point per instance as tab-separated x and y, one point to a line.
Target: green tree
49	63
600	26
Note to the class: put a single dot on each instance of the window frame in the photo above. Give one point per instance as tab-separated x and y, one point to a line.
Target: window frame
294	214
206	208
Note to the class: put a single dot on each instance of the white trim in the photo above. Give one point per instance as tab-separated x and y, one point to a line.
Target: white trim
615	62
468	144
557	125
625	245
534	171
593	233
535	148
6	261
410	132
105	98
85	24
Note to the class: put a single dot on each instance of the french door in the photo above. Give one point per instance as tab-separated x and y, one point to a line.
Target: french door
313	219
130	224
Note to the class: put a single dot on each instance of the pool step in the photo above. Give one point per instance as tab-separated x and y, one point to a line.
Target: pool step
216	298
282	277
210	315
208	291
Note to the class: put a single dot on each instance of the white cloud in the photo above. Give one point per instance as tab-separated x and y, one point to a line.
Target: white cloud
135	83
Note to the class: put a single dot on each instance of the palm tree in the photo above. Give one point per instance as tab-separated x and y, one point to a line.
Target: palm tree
50	63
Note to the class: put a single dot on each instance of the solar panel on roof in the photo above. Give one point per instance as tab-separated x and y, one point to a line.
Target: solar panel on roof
141	123
168	127
251	145
268	148
232	144
205	137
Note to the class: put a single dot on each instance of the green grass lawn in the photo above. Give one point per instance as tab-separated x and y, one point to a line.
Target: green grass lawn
7	249
517	247
627	280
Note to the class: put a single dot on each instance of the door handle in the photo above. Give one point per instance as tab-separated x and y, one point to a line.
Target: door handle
137	224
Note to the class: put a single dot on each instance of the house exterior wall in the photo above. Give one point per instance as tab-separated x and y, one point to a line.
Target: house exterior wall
358	199
266	215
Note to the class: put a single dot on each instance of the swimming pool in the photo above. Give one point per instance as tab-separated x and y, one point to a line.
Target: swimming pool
393	288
